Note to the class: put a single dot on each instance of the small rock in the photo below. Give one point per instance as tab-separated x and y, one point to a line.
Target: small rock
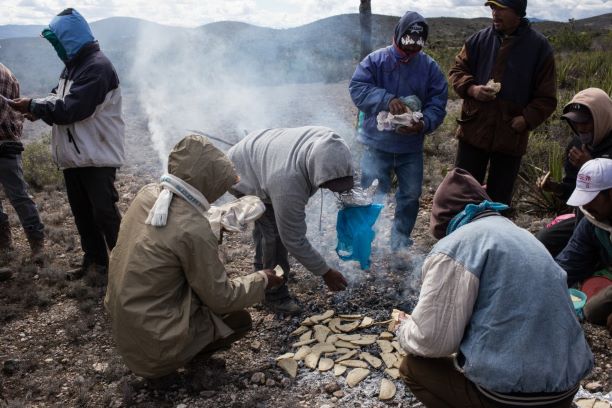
270	382
255	345
339	394
594	386
326	406
207	393
331	387
258	378
285	382
334	399
181	406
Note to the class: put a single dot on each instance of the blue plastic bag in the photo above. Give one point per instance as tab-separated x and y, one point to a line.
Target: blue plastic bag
355	233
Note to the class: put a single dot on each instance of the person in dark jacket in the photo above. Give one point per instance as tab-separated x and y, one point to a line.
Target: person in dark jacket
589	250
494	124
589	115
11	172
386	81
88	134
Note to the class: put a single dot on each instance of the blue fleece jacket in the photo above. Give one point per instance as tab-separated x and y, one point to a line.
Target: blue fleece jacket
381	77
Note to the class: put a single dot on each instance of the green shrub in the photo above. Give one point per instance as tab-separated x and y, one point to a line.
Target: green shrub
569	40
39	169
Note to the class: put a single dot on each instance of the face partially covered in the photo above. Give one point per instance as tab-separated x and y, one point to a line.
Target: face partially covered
601	206
411	43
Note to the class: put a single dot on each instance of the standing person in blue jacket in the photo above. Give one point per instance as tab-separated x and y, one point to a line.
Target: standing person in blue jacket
400	70
88	134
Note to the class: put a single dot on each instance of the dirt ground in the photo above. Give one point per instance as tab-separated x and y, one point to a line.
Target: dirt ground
55	342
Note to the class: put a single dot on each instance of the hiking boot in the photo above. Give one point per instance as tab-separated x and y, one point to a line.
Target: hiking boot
5	274
5	237
288	306
37	246
76	273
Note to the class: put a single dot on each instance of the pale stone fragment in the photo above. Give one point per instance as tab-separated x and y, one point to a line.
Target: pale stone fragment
354	363
321	332
398	360
386	336
394	316
397	346
585	403
289	365
331	338
366	322
311	360
302	353
326	364
348	337
308	322
373	361
387	390
345	344
303	343
339	370
333	325
385	346
349	327
356	375
286	355
389	359
346	356
393	373
278	271
299	330
323	348
495	86
365	340
350	316
319	318
342	350
306	336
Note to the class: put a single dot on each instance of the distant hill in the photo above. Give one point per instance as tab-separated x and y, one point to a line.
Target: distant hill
325	50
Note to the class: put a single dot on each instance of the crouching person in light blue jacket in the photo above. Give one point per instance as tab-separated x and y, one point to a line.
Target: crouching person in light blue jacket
494	325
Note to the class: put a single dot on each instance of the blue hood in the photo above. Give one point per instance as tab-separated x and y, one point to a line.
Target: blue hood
72	31
406	21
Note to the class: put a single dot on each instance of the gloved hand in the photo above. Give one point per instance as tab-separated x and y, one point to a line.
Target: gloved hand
10	148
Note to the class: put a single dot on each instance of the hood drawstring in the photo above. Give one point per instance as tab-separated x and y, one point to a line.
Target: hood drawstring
321	213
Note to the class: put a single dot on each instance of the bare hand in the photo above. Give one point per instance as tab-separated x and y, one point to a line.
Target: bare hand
481	93
334	280
578	157
397	107
274	281
30	116
519	124
20	104
412	129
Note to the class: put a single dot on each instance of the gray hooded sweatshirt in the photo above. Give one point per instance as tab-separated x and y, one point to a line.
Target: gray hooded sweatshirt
285	167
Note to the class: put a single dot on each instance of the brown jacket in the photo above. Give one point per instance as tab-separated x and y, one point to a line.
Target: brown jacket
524	65
11	121
167	286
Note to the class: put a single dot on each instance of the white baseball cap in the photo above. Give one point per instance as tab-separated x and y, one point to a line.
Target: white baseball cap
594	176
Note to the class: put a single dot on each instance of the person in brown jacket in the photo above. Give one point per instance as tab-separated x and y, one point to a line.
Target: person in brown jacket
11	173
168	295
495	122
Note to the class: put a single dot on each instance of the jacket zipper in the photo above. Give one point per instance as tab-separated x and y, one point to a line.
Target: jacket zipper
71	140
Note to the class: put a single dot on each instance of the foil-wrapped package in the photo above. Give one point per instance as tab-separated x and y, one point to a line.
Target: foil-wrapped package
357	197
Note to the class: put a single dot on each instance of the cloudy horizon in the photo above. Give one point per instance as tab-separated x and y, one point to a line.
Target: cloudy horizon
276	14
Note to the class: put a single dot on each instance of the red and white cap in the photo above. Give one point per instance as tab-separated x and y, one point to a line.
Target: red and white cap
594	176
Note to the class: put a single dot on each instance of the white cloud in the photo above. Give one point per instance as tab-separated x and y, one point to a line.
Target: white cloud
288	13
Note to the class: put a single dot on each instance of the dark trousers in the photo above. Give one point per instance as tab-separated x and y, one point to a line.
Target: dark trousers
556	237
270	251
599	307
93	197
16	189
503	170
240	322
437	384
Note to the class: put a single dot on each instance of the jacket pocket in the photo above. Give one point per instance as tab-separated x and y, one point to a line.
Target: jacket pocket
72	140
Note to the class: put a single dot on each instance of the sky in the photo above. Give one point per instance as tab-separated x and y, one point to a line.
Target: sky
276	13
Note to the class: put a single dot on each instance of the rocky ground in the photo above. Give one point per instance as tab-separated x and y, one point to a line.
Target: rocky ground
55	343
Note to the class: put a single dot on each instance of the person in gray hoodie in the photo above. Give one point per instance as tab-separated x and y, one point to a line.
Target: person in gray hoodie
284	168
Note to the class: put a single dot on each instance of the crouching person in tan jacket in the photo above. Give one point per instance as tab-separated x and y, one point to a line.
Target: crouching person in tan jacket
168	294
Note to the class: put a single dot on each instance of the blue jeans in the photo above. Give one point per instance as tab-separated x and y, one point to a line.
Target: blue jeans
408	167
16	189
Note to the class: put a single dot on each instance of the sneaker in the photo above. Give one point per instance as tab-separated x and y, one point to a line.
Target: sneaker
288	306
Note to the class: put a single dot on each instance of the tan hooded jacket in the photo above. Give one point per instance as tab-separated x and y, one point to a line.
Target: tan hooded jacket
167	286
600	106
